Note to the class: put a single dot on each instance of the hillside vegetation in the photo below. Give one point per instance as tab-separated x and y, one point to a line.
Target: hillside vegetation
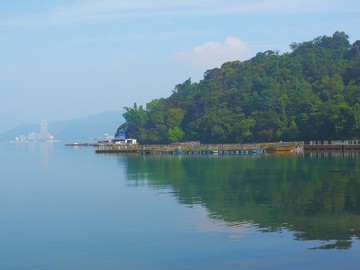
312	93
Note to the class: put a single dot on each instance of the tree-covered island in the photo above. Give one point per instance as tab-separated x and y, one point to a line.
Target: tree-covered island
312	93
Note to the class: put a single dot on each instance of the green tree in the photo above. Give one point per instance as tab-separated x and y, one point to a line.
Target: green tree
175	117
175	134
136	118
311	93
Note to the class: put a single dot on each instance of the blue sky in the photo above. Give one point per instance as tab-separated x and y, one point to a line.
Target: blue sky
66	59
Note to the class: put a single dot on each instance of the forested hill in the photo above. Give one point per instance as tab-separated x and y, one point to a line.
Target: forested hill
312	93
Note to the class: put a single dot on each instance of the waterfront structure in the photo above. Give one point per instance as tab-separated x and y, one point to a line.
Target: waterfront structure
339	145
125	141
43	135
196	148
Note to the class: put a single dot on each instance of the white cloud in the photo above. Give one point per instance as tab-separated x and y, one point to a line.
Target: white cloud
286	7
214	54
98	11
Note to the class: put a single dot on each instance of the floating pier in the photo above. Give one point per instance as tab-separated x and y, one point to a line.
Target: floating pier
332	146
81	144
195	148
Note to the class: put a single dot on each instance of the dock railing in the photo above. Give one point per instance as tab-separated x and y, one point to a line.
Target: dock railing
332	146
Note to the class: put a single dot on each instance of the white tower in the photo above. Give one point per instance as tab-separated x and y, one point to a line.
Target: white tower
44	134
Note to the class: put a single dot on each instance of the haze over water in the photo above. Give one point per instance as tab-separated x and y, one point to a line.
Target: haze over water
68	208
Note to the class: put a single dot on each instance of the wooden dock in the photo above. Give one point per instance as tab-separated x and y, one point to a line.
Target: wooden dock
332	146
199	149
195	148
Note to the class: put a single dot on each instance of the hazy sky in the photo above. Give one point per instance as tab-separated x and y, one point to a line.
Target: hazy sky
62	59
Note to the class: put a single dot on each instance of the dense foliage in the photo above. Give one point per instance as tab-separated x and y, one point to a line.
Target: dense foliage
312	93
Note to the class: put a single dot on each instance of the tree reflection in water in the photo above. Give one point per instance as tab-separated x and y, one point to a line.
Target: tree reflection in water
316	197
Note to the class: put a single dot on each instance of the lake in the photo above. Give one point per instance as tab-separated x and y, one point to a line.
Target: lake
69	208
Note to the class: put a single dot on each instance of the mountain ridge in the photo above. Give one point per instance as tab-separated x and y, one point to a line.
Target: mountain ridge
81	128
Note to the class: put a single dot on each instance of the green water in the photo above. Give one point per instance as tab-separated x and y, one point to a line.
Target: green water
316	196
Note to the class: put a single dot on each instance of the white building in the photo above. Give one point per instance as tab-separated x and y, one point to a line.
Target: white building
44	134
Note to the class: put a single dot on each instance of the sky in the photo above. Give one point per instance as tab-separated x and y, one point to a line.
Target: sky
63	59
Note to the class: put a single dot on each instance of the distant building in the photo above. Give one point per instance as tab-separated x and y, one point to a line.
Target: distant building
44	134
32	136
21	138
125	141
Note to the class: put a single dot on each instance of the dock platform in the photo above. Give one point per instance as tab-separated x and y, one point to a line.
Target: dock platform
197	149
332	146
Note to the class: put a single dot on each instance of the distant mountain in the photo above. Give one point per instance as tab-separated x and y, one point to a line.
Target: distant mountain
78	129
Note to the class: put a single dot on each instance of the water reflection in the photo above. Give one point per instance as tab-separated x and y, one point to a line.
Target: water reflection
44	148
317	197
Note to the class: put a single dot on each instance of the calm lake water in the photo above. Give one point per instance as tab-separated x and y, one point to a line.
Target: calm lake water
69	208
